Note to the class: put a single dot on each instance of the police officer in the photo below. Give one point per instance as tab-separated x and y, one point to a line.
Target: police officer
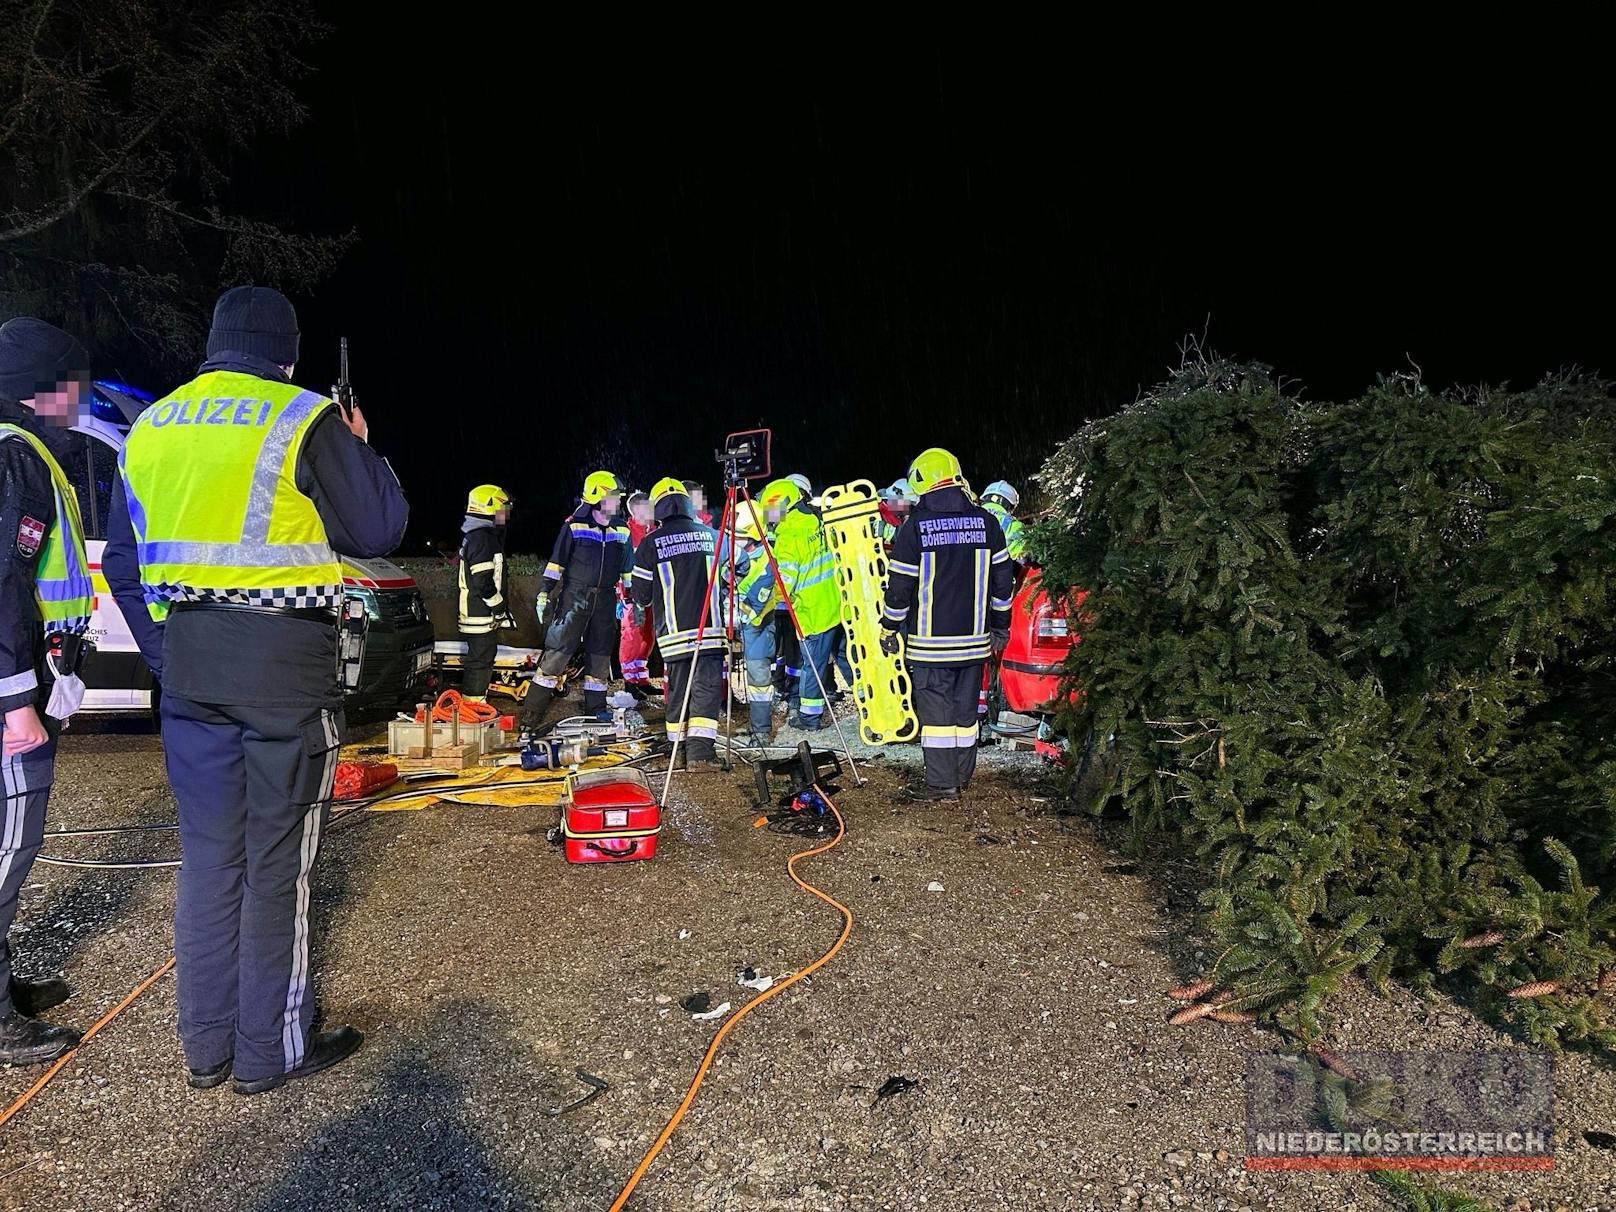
484	610
588	569
45	602
673	572
239	492
949	588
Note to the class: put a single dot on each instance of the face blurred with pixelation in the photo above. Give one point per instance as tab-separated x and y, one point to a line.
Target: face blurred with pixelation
640	510
64	404
608	505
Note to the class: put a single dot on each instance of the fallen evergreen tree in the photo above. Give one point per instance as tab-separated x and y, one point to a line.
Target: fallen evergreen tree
1359	658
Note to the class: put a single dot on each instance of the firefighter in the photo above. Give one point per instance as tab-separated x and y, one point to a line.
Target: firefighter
587	571
45	603
673	572
698	498
948	591
1002	501
896	501
239	493
484	609
756	598
787	644
808	579
635	636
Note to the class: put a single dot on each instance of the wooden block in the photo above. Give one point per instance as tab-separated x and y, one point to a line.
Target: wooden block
444	757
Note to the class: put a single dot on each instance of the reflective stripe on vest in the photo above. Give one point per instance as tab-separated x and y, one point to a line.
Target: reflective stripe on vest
210	476
62	588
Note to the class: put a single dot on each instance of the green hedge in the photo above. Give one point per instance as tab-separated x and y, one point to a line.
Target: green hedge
1358	656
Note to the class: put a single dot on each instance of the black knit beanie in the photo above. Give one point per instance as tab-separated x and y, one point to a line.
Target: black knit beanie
255	320
34	354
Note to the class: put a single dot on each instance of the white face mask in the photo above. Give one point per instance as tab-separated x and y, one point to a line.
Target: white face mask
67	694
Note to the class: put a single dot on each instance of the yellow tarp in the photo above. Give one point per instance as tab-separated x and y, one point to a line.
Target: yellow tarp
504	786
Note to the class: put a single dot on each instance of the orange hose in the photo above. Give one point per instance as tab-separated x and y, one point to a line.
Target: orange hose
23	1099
729	1023
450	703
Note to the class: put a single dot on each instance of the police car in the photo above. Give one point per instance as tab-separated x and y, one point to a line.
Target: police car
398	646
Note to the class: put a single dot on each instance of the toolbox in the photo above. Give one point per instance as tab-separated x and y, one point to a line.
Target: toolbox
609	816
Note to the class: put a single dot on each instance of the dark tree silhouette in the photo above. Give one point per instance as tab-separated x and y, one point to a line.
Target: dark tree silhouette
120	124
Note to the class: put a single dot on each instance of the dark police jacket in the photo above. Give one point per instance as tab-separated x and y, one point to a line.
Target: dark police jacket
950	581
25	492
255	657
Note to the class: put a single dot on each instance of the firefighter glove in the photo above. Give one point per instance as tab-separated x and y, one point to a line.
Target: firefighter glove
890	643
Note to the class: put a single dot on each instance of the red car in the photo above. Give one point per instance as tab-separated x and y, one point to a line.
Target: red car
1042	632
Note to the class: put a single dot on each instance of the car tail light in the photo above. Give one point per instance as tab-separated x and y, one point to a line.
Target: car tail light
1051	627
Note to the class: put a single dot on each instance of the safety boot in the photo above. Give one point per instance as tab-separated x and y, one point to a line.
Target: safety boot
27	1041
922	794
534	706
31	997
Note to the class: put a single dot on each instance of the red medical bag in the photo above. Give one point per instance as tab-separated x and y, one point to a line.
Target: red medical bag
609	816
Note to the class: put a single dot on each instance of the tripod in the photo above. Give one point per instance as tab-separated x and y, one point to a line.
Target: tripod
735	487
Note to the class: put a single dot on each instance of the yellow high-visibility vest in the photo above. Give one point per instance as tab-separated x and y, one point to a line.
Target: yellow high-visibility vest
62	587
210	475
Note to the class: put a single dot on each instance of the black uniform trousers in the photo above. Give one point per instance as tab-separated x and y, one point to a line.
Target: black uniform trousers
254	788
478	669
27	781
945	705
699	725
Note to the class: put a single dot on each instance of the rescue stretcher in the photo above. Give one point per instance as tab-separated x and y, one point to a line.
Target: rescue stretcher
852	518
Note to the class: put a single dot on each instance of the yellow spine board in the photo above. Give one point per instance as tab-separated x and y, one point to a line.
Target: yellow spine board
852	517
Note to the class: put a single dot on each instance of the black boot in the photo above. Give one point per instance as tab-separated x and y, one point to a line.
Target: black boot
922	794
702	756
594	703
213	1075
27	1041
325	1050
30	997
534	706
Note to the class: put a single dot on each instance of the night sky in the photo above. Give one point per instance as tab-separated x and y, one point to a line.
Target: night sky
574	256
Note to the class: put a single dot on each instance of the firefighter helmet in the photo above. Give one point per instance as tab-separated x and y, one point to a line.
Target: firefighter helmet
1004	494
784	495
486	500
898	490
747	525
802	482
666	487
599	485
935	468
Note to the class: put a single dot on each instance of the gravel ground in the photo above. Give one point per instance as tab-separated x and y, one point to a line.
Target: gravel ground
1024	999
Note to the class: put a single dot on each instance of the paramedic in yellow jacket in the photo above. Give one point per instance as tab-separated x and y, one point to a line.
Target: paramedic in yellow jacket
808	579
